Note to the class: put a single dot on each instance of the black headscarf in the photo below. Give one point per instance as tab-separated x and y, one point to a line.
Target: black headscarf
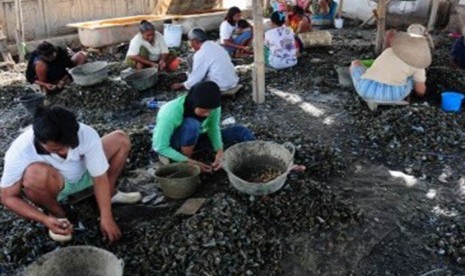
204	94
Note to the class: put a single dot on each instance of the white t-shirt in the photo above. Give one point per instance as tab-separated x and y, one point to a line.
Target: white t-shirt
226	31
155	50
282	52
212	63
87	156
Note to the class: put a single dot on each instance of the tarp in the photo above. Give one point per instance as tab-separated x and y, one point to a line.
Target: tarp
362	9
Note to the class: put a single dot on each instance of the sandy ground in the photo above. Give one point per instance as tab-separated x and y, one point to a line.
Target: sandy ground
382	195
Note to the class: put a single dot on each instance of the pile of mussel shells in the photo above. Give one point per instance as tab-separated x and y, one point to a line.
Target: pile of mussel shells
109	95
411	137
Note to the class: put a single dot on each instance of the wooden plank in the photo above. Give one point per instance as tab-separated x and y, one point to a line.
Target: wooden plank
433	15
381	25
258	72
19	30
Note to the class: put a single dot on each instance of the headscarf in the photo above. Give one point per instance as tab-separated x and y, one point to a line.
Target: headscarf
204	94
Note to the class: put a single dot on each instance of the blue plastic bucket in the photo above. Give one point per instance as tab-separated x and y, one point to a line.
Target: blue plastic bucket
451	101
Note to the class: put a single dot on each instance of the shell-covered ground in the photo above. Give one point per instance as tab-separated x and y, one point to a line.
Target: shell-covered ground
382	194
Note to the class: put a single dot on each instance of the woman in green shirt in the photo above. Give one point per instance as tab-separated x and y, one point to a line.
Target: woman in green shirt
191	123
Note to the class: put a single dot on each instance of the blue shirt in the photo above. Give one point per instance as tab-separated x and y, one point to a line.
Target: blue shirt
458	52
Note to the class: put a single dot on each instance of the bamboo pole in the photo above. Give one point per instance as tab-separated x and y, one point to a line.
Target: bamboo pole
381	25
19	30
258	72
433	15
6	55
339	9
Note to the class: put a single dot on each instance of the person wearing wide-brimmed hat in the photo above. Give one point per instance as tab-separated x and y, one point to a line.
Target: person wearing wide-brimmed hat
457	53
397	71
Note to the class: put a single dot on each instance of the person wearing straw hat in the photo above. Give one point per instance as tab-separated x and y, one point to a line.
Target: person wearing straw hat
397	71
457	53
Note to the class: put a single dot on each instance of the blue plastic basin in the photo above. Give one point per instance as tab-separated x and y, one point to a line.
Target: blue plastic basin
451	101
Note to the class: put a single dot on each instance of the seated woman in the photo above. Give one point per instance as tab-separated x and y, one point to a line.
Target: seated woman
192	123
299	23
397	71
323	11
148	49
227	39
280	49
304	4
47	66
457	54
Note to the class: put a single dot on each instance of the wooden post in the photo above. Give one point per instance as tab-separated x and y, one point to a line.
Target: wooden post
258	72
339	8
19	30
4	49
433	15
381	25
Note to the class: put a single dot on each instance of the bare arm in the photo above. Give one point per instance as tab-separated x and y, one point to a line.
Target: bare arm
41	72
11	199
103	196
142	60
230	43
420	88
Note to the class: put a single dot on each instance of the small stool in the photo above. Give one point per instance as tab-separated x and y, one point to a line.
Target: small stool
373	105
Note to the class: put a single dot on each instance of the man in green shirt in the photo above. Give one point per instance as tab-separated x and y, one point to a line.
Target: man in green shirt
192	122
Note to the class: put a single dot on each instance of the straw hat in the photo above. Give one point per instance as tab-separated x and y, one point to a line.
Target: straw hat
412	49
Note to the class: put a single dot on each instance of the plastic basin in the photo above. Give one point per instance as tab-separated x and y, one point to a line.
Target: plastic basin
251	156
90	73
76	260
178	180
32	102
451	101
142	79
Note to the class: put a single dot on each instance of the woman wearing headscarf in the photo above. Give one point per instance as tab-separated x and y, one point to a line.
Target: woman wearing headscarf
227	30
399	69
148	49
192	123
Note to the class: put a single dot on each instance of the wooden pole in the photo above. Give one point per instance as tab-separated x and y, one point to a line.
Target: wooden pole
4	49
258	72
373	16
433	15
19	30
381	25
339	8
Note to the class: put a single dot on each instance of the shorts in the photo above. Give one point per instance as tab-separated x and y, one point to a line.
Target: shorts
74	187
372	90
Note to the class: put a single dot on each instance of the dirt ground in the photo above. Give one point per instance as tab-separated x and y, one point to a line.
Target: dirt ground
383	193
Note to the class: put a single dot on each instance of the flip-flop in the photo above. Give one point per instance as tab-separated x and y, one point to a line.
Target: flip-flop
58	237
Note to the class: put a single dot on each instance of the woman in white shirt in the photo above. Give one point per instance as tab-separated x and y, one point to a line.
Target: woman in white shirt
148	49
228	39
280	49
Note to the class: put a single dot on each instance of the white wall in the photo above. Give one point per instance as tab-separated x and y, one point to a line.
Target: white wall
241	4
362	9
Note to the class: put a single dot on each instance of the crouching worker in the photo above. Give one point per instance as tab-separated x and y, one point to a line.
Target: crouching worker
396	71
48	64
148	49
58	157
191	123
